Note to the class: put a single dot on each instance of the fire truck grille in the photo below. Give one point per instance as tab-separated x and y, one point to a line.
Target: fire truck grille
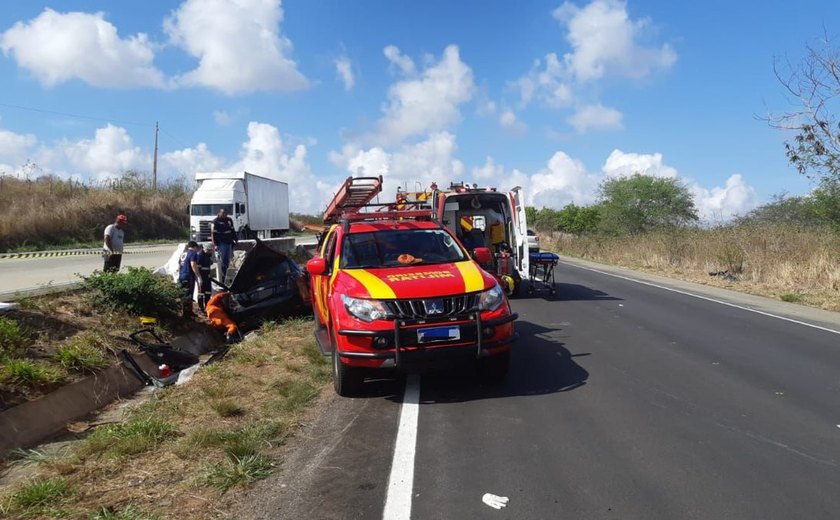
432	307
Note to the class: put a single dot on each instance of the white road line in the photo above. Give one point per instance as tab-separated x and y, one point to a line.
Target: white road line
401	481
791	320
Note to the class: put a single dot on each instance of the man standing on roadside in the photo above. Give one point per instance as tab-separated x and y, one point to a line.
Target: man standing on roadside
224	236
205	288
188	275
114	237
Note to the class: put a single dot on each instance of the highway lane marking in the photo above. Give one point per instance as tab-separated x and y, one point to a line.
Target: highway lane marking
401	481
763	313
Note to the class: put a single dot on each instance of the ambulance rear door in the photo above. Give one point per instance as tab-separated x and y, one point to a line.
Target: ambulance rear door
520	230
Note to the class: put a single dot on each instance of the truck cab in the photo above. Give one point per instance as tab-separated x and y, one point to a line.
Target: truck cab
211	196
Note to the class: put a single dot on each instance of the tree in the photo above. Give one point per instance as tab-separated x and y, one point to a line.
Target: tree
641	203
578	219
814	85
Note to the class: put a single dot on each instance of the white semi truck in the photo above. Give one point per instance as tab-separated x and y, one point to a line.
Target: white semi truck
259	206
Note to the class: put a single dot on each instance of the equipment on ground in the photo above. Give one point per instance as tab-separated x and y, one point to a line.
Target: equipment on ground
541	275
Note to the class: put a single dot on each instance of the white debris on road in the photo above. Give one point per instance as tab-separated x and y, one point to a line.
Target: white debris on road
494	501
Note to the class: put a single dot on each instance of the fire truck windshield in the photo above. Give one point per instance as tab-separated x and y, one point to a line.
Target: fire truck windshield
399	247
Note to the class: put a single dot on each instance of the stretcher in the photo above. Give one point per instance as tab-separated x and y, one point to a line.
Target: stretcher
541	272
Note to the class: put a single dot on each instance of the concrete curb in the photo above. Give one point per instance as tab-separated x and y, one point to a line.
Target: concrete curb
80	252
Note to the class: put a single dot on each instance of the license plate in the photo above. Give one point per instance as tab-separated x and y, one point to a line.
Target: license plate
438	334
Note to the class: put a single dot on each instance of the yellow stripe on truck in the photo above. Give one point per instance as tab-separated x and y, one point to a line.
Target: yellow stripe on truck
378	289
473	281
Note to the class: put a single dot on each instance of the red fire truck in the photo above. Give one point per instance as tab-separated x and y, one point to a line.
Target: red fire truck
392	285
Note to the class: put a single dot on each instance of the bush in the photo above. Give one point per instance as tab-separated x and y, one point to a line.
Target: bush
13	337
137	291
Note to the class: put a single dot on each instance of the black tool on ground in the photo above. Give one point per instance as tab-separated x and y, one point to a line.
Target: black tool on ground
541	272
144	376
162	352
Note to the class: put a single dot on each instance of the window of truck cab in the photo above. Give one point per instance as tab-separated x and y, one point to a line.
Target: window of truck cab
391	248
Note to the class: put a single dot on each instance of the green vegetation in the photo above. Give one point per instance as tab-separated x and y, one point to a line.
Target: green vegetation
641	203
136	291
13	338
238	470
790	297
28	373
83	353
137	435
39	496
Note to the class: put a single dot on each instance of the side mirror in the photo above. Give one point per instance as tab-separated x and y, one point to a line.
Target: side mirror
482	255
316	266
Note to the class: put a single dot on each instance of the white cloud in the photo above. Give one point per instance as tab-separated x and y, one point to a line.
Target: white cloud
399	60
489	171
238	44
187	161
266	154
14	147
606	41
58	47
596	117
562	181
345	72
621	164
721	204
222	117
509	122
412	166
109	154
428	103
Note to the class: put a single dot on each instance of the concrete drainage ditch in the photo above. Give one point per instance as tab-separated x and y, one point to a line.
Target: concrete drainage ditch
33	422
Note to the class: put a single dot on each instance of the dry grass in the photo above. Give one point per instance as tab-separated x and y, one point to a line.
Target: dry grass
49	212
767	260
177	454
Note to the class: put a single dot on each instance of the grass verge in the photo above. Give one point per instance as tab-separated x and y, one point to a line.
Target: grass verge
182	452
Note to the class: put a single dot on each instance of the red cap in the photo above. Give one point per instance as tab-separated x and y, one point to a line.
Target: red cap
122	218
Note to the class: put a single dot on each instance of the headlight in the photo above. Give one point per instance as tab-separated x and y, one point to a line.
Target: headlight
365	310
491	299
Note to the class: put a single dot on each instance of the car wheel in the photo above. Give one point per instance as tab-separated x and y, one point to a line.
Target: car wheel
347	380
492	370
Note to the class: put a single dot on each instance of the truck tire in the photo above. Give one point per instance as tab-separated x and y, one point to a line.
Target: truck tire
347	380
492	370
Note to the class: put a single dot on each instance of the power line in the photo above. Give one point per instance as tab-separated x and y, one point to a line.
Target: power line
78	116
94	118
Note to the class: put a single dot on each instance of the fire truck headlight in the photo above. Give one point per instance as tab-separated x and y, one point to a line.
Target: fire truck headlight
491	299
365	310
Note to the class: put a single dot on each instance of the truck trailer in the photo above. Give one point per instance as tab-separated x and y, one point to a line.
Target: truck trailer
259	206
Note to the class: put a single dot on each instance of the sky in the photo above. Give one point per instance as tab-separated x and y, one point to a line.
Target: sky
553	96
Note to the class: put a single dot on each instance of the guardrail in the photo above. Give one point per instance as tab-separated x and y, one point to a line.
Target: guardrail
130	250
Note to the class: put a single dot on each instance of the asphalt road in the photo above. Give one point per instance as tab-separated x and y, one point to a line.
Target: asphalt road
624	400
25	274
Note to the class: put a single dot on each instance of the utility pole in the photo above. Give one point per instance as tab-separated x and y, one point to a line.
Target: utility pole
154	165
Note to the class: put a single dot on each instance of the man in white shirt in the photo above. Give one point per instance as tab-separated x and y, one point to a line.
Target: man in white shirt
114	236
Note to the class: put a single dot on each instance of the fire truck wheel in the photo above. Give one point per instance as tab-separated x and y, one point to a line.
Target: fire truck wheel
347	380
492	370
